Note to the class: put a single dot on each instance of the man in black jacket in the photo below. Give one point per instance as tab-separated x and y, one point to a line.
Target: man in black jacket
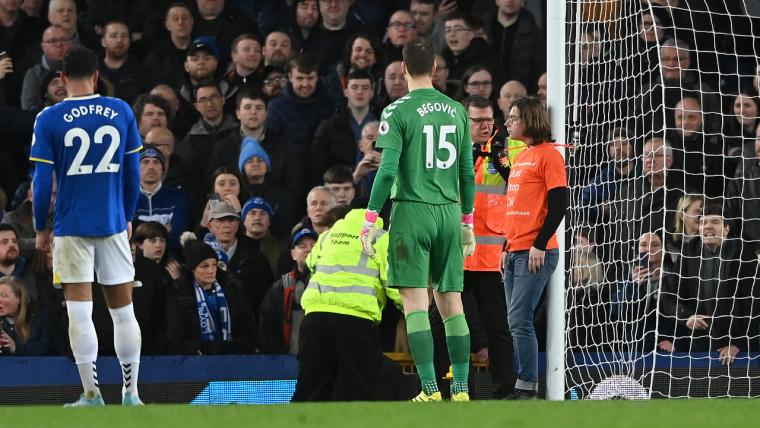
336	139
711	296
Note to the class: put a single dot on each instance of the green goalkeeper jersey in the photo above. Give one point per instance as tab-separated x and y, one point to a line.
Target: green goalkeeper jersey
430	132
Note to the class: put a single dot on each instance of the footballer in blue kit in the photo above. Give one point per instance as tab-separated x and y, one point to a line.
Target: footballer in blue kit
92	145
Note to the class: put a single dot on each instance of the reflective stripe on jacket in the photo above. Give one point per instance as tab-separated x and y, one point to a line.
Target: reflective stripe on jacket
344	280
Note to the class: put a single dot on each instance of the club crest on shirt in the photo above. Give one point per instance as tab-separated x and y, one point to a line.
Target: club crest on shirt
384	128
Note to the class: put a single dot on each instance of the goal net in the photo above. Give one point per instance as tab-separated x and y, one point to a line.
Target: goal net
662	114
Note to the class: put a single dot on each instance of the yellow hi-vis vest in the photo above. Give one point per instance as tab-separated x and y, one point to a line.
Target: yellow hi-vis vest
343	279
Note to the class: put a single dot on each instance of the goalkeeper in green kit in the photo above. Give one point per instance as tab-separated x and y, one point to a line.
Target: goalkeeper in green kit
427	169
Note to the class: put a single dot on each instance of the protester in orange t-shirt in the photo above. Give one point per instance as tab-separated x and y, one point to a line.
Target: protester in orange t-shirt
536	204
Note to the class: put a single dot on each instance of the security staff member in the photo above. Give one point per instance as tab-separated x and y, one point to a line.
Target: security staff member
341	356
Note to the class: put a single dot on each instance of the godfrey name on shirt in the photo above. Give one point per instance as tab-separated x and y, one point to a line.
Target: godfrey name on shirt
80	111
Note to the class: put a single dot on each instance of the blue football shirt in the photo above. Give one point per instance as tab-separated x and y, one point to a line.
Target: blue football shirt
87	141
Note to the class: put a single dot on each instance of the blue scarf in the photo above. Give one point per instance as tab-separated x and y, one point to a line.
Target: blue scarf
213	314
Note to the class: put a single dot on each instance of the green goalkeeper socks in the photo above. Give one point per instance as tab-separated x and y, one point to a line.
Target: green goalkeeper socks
458	344
421	344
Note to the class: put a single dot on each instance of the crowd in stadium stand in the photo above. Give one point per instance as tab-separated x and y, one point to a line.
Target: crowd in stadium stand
259	117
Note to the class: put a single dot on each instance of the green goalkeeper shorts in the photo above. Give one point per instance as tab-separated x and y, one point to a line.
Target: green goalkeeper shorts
425	246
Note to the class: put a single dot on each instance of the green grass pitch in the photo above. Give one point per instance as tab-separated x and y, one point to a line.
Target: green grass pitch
736	413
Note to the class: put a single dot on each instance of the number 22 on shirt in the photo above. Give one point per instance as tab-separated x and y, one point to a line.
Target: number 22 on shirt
105	164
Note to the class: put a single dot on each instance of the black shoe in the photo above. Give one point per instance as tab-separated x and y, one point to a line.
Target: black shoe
522	394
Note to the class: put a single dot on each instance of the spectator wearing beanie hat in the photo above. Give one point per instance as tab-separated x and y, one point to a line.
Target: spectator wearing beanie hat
254	164
165	205
257	220
197	322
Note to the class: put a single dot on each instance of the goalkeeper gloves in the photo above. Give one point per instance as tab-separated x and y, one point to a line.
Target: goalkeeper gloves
369	233
468	235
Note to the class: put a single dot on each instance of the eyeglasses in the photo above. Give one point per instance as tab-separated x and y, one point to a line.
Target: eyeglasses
61	41
482	121
480	83
455	30
210	99
401	25
277	79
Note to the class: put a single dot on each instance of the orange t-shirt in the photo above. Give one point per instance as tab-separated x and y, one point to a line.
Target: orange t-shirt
534	172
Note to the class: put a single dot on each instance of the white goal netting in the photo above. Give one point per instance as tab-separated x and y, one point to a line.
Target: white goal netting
662	113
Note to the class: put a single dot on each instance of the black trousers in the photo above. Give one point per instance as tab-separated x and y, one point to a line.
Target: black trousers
486	290
340	359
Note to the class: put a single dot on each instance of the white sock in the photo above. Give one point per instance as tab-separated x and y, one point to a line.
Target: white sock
84	344
127	341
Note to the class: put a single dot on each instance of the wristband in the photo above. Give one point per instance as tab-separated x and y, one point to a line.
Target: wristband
468	219
370	216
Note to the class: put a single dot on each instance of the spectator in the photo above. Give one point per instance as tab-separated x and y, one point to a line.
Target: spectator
463	49
603	189
151	111
134	14
687	222
518	43
340	180
636	300
275	81
257	219
366	168
12	263
159	203
400	30
52	90
739	132
247	263
296	114
744	195
699	151
24	330
63	13
176	169
182	114
585	268
335	28
306	20
22	221
223	22
246	67
37	279
427	22
20	32
319	202
477	80
541	91
209	313
644	202
255	164
509	93
441	77
708	297
226	187
118	67
213	127
335	140
281	311
666	90
33	8
201	65
362	52
332	317
394	84
56	42
166	63
278	49
536	201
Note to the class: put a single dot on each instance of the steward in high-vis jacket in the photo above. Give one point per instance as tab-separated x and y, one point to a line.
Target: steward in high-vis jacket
341	355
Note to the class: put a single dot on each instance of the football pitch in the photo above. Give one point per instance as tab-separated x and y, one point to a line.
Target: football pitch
737	413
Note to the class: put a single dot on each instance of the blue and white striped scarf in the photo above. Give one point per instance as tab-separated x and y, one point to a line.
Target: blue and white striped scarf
213	314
